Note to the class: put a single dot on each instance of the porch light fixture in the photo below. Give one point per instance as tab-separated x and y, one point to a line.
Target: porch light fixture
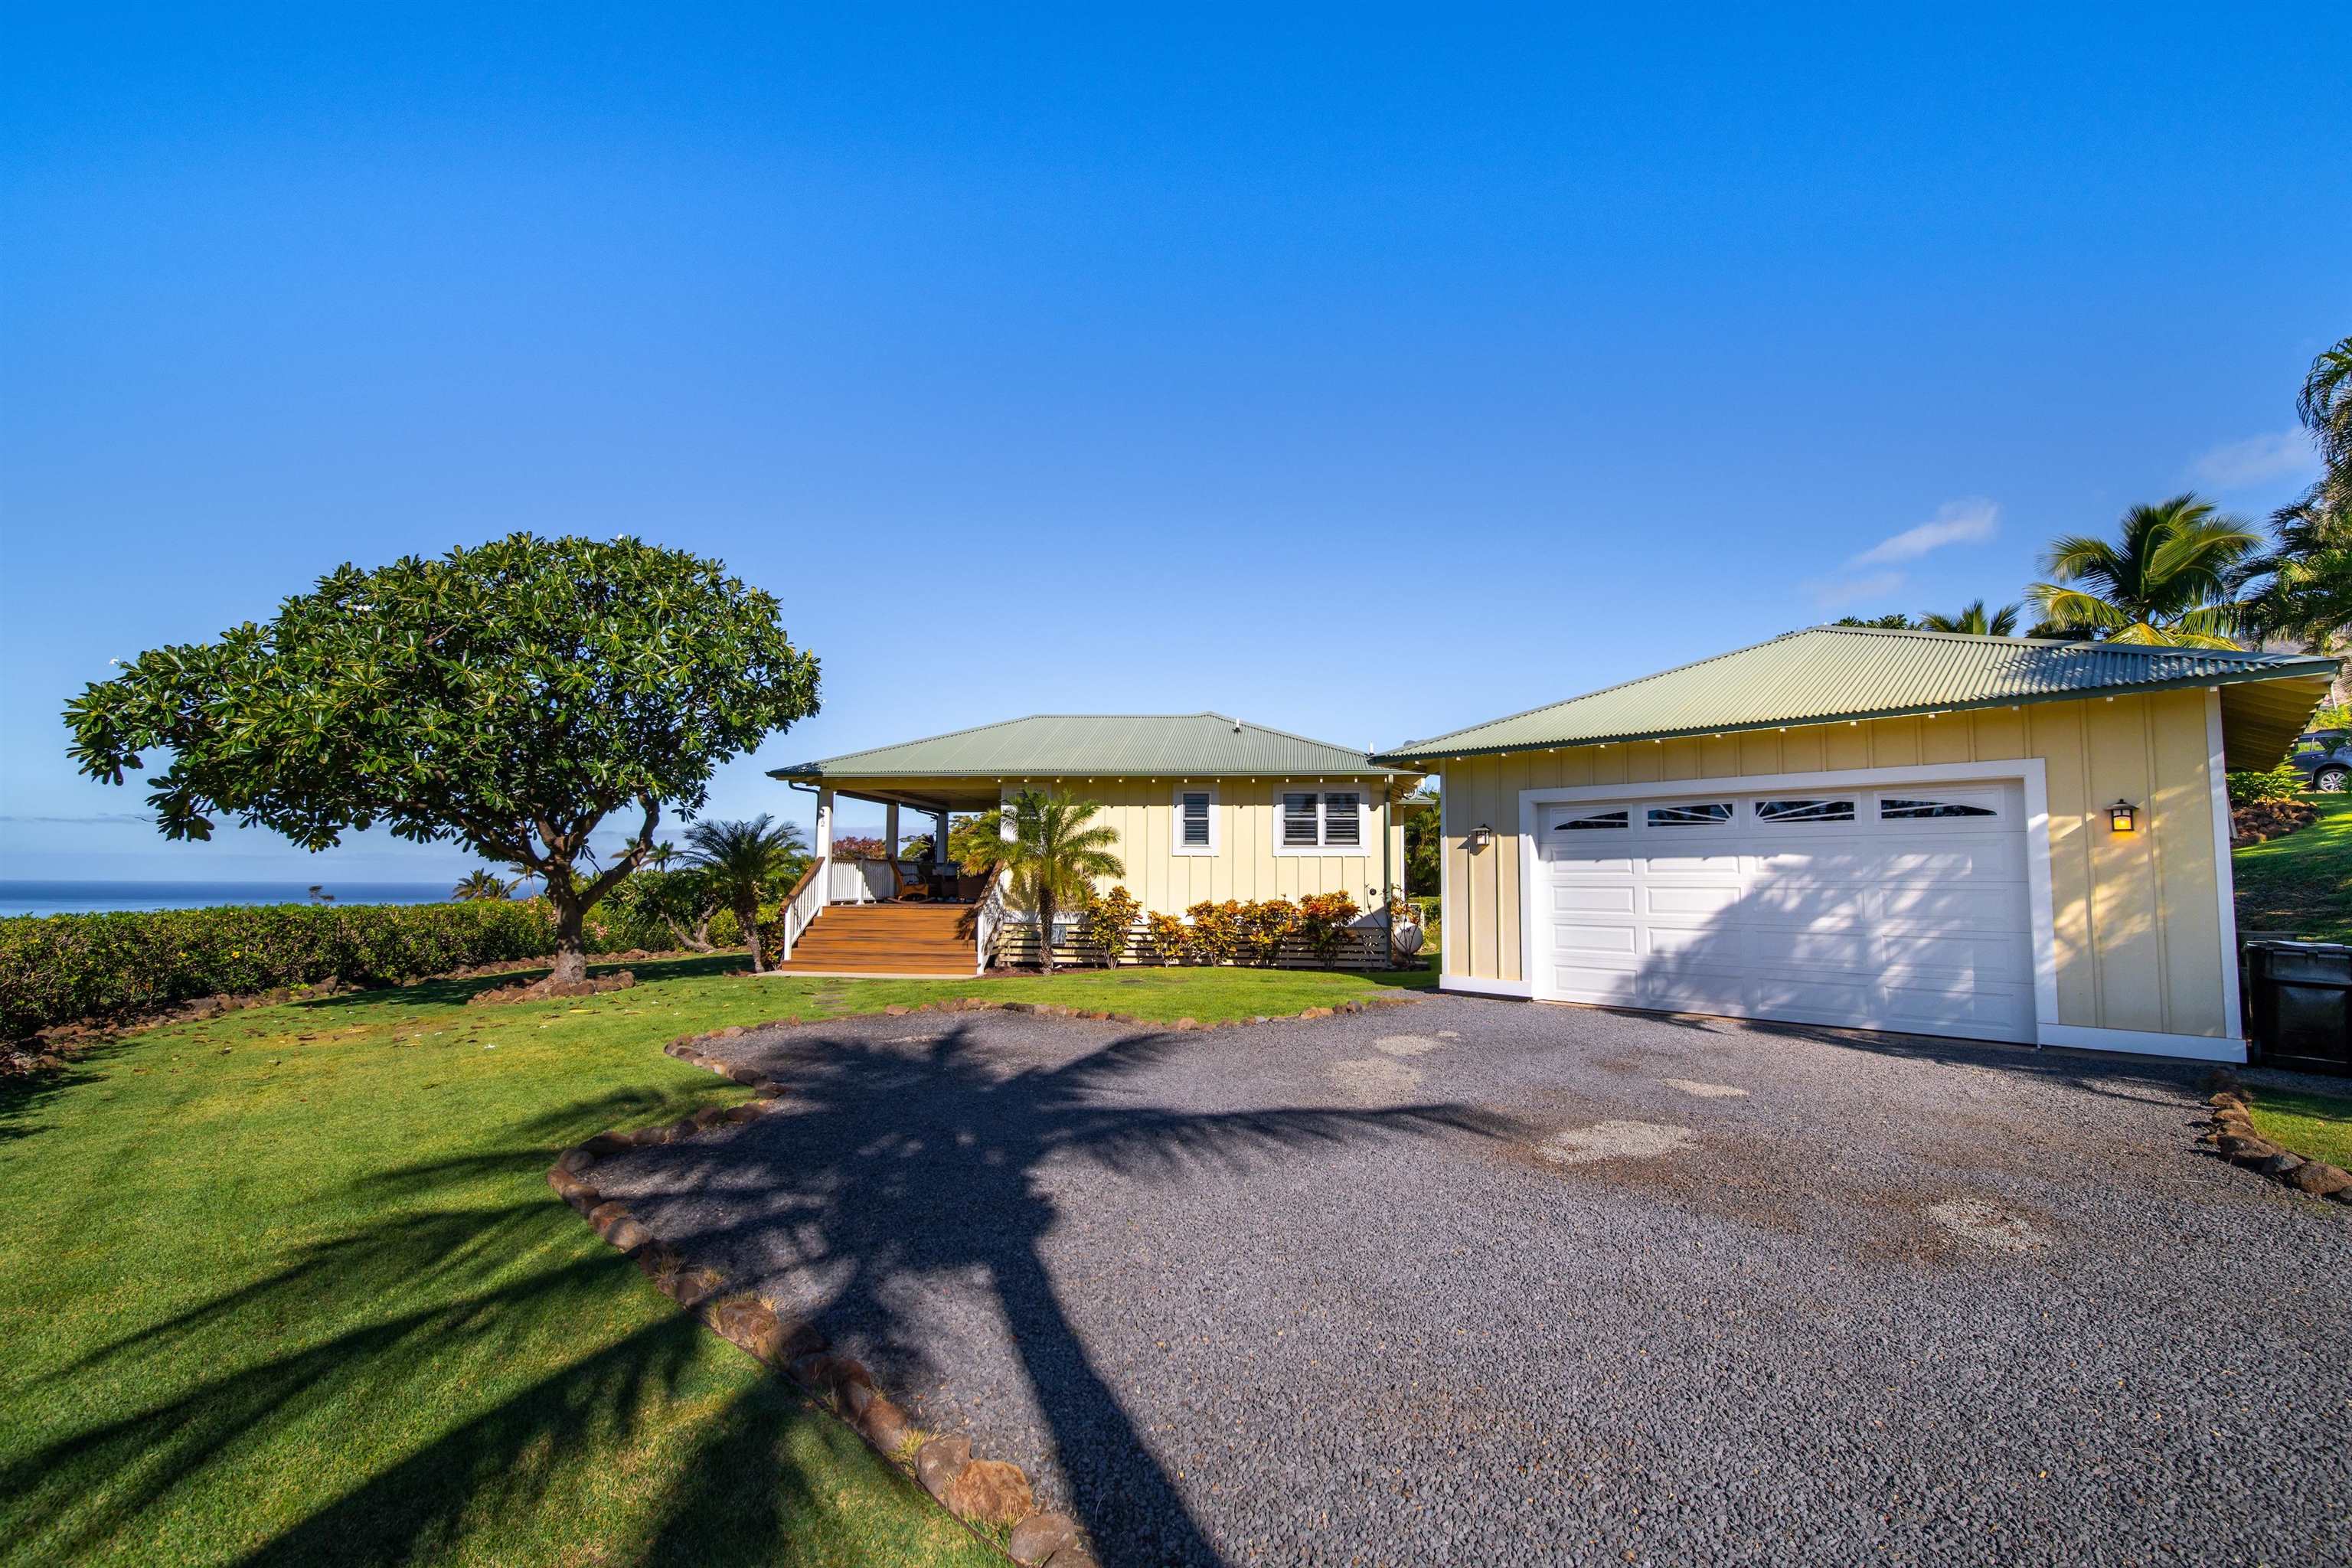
2122	817
1481	836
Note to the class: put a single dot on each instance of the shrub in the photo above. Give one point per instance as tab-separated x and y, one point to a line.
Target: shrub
2283	782
60	969
1107	921
1322	922
1170	938
1214	936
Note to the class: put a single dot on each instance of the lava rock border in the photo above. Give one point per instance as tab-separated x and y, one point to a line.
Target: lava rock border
2231	1131
983	1494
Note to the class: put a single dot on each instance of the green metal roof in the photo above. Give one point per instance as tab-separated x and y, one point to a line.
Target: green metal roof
1101	746
1826	673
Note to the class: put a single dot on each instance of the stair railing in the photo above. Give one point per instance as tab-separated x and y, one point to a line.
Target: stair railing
988	920
803	905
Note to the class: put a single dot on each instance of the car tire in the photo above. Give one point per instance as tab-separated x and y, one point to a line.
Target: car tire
2331	781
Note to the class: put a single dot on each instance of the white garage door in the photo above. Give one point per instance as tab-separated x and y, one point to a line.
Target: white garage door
1882	908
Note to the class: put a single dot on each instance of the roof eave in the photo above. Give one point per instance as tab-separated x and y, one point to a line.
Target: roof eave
1429	756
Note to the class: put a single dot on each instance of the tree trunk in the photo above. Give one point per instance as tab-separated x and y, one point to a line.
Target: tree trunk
570	936
1046	932
747	917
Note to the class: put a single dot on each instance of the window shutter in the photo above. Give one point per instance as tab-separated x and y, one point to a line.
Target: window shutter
1298	821
1343	824
1196	821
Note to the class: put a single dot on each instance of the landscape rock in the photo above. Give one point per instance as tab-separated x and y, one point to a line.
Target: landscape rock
2319	1179
940	1461
989	1491
2280	1165
1073	1555
884	1425
1035	1539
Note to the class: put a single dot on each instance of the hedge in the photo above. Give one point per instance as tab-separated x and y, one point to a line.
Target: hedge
58	969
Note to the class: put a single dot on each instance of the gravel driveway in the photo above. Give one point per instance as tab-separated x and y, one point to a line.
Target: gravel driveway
1482	1281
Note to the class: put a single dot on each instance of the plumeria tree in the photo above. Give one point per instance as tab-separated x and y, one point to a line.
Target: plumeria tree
509	696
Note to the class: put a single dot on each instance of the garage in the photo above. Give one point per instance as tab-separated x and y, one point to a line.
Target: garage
1935	833
1901	907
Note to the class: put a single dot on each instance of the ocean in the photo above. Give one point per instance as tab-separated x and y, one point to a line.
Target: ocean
27	898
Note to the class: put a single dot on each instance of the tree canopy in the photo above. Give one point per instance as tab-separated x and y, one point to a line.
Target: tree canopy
509	696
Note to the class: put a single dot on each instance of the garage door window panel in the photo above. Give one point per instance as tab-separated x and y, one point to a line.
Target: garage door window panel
1778	812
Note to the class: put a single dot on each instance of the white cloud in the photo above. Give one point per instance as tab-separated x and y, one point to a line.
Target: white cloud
1843	592
2282	454
1954	523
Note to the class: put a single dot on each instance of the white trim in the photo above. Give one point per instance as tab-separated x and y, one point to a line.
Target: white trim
2142	1042
2225	876
1445	921
1471	985
1362	848
2030	773
1176	845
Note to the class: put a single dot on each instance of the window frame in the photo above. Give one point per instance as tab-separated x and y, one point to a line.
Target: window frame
1366	822
1176	845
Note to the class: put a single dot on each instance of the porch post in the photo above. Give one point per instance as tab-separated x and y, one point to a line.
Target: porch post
890	831
823	842
940	837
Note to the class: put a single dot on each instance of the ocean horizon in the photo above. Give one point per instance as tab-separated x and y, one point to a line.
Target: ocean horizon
29	897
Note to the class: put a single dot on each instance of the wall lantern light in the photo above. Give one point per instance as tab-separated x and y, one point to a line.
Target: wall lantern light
2122	818
1481	836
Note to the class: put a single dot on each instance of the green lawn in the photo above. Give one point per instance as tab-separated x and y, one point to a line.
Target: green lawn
290	1286
2318	1126
2302	882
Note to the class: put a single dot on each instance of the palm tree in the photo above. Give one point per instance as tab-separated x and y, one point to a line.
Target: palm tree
1052	856
2325	409
2166	581
741	858
661	855
481	885
1973	619
2301	588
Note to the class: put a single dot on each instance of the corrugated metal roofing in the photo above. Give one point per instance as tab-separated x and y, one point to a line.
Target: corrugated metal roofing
1169	745
1826	673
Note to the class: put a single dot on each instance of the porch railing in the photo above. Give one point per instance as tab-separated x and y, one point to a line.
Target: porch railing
803	903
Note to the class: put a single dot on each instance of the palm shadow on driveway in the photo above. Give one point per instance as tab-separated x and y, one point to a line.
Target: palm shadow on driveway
907	1166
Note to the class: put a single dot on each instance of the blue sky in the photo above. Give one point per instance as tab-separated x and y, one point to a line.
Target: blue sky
1357	372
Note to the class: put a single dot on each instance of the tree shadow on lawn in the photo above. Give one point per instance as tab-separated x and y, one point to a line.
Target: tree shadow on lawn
913	1165
440	1302
456	992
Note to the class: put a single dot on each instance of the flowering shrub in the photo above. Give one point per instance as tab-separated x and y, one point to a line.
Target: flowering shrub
1322	922
1170	938
1107	921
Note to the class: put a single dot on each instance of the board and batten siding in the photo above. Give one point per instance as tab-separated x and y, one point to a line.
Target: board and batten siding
2139	941
1246	866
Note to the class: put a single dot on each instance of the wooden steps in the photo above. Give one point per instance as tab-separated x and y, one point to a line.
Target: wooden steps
906	939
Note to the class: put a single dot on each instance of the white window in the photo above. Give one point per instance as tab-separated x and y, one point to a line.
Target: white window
1195	831
1705	815
1318	821
1810	809
1913	807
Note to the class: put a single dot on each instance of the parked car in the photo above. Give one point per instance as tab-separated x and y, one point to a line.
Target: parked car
2326	757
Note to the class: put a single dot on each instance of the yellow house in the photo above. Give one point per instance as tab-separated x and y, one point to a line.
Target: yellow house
1987	837
1205	807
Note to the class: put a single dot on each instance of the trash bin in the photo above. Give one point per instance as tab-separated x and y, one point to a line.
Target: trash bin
2300	1004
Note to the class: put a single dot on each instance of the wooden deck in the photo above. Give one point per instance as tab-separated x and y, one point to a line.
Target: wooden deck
909	940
